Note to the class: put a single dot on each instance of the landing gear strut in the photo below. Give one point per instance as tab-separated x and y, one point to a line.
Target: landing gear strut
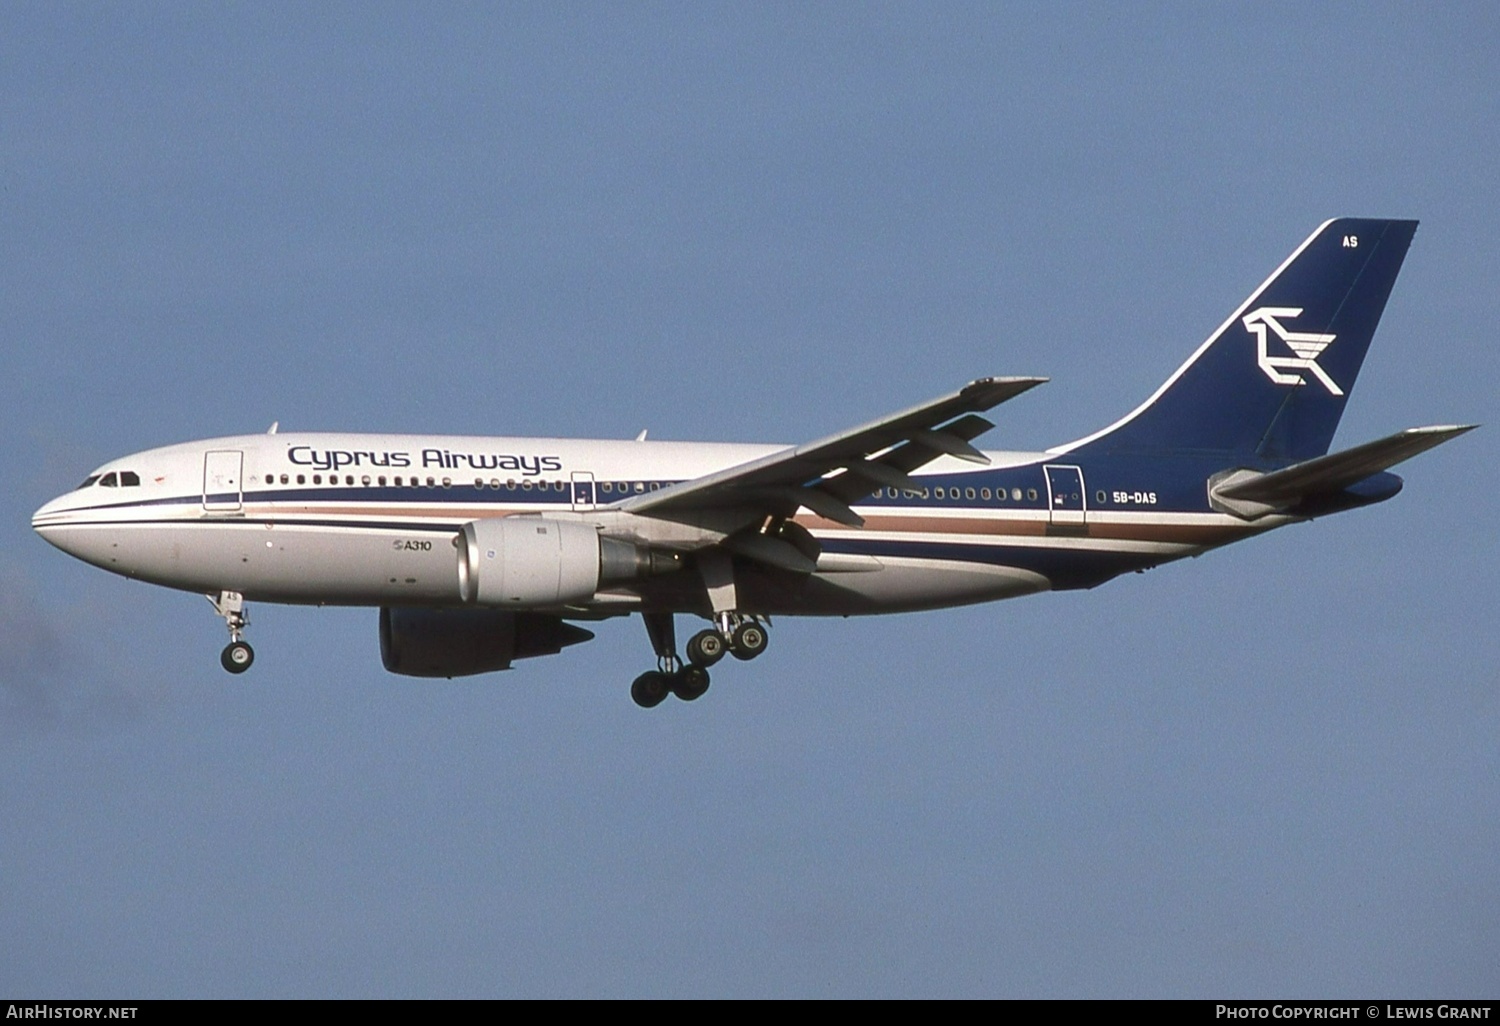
237	655
744	636
671	677
740	636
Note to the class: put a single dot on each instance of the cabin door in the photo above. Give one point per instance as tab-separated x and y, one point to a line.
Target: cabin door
1065	497
222	489
583	491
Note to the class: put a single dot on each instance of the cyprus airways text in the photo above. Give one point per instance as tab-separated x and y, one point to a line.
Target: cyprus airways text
336	459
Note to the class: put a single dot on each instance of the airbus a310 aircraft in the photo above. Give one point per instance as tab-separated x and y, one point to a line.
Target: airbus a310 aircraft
478	551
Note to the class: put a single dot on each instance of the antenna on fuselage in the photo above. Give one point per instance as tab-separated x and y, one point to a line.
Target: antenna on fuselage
642	436
274	425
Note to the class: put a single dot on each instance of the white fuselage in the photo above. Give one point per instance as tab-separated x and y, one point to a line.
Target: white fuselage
374	520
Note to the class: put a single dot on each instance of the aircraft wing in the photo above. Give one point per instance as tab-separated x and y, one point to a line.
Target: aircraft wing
1248	493
827	475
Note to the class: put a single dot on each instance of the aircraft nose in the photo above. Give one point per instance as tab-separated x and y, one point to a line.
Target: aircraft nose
63	525
46	519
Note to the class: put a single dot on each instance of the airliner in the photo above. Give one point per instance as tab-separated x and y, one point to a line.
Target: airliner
481	551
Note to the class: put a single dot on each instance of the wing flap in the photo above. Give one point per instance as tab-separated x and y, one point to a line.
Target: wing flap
771	551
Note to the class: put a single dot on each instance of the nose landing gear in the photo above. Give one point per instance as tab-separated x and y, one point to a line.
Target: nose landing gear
237	655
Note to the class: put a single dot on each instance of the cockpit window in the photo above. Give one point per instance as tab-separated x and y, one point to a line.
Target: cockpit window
109	481
88	481
130	479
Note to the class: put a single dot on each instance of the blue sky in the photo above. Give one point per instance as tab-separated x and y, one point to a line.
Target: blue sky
1270	771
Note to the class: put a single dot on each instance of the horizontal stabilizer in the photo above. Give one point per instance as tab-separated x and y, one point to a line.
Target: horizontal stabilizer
1251	494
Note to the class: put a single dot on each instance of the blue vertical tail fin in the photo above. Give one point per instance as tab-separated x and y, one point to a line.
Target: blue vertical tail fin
1271	383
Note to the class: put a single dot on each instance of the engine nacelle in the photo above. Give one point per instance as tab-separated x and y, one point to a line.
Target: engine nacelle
527	562
461	642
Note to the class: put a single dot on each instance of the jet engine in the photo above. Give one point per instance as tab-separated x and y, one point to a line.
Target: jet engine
461	642
526	562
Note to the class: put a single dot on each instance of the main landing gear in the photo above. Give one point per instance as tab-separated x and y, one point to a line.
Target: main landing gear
237	655
740	636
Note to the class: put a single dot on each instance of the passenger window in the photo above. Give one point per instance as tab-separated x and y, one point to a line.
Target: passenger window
431	482
108	481
317	479
526	485
940	492
381	479
302	479
1015	493
283	479
349	479
968	493
1031	494
365	480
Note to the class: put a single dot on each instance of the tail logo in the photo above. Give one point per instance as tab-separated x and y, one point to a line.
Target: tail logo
1306	346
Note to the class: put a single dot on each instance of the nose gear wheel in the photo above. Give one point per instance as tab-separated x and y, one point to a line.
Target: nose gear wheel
237	655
